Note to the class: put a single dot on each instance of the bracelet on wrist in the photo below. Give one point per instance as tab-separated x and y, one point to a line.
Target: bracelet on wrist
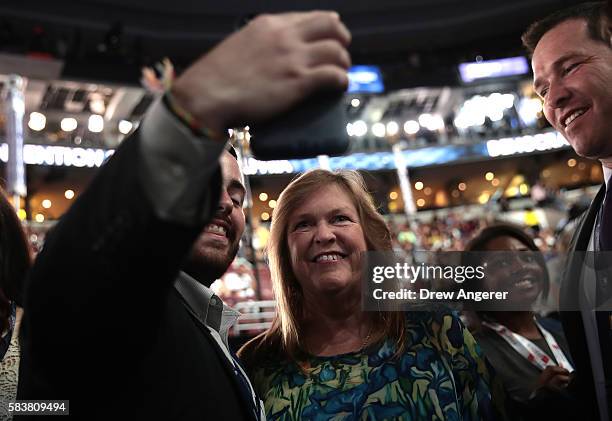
159	79
189	120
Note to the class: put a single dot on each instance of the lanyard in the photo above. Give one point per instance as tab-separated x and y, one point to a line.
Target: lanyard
530	351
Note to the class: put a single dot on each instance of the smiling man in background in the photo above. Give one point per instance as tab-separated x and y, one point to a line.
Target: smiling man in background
572	67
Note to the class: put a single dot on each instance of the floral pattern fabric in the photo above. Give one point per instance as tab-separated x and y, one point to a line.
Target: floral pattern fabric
441	375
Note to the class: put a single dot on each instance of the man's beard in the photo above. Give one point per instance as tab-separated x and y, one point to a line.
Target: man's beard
208	266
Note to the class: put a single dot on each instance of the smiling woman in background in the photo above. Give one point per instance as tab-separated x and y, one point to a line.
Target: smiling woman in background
14	264
529	353
324	357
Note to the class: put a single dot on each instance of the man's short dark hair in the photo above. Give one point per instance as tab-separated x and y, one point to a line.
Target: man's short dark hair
594	13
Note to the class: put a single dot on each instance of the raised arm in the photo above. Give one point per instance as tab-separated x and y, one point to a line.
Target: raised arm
100	280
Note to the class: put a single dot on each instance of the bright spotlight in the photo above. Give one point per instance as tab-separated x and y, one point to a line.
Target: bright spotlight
411	127
37	121
68	124
125	126
95	123
378	129
392	128
360	128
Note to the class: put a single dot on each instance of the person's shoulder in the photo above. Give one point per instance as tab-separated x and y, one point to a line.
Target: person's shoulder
554	326
247	350
488	339
258	351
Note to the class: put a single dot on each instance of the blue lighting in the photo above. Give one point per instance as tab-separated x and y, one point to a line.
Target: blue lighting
365	79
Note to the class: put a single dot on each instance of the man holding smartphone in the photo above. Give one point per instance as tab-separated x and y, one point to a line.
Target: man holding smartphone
106	326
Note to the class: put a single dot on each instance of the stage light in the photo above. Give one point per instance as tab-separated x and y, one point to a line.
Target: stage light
125	126
97	106
508	100
501	102
484	198
431	122
495	115
378	129
360	128
411	127
349	129
95	123
68	124
472	112
392	128
69	194
37	121
529	109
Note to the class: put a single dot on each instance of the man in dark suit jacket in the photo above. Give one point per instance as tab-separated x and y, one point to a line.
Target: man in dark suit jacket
110	324
572	67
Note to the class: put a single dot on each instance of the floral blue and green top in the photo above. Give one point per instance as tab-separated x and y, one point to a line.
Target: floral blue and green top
441	375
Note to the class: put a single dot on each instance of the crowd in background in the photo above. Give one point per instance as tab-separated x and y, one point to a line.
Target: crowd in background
445	232
450	231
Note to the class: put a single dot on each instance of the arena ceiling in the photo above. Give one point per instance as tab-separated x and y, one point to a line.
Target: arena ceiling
417	42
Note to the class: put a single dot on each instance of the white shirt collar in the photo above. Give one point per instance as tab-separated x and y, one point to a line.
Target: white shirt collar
607	174
206	305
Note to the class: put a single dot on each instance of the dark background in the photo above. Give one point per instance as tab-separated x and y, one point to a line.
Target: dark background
416	42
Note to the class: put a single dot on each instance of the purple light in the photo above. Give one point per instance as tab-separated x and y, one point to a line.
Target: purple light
493	68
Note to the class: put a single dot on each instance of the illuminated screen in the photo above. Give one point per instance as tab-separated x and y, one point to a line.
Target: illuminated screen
493	68
365	79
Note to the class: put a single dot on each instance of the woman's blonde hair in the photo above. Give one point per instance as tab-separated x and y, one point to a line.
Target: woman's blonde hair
284	334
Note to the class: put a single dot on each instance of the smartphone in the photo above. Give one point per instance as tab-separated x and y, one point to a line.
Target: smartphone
316	126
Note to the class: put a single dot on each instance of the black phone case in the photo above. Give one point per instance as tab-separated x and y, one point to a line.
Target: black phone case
316	126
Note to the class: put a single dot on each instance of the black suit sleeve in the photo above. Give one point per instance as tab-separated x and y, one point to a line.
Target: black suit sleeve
96	291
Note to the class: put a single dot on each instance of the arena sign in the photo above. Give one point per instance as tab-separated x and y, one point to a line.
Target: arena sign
374	161
61	156
526	144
